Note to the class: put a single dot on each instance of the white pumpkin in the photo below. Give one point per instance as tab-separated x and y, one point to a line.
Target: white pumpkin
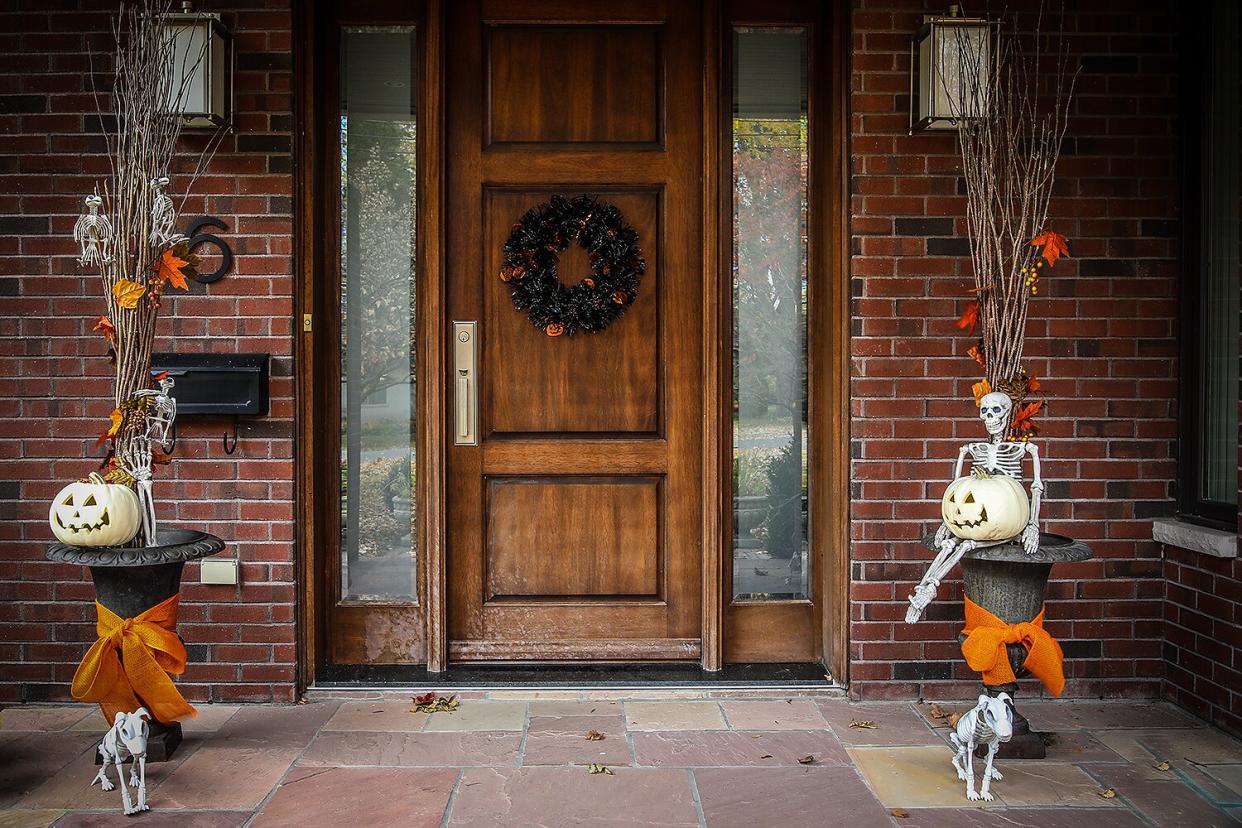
985	507
95	513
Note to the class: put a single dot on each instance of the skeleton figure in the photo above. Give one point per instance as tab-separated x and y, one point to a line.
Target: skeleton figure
996	456
163	214
990	722
127	738
160	415
94	233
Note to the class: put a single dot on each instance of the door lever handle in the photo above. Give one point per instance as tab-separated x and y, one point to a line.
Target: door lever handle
465	391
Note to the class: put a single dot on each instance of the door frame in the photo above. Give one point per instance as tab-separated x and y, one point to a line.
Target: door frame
317	342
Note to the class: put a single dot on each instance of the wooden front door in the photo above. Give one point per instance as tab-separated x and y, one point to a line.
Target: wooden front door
574	519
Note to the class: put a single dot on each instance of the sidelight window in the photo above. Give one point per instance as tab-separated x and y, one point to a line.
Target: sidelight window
377	142
769	280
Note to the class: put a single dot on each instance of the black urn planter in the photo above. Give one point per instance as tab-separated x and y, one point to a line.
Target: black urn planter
129	581
1010	584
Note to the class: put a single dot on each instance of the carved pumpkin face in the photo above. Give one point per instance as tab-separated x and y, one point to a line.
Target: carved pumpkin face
985	507
95	513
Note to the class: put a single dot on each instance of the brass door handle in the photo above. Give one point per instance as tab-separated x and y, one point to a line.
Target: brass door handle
465	392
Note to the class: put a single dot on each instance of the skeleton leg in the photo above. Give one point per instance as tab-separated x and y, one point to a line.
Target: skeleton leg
105	783
141	762
125	800
970	771
986	785
959	752
951	551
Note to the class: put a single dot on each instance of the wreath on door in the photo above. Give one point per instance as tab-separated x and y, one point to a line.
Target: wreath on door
532	252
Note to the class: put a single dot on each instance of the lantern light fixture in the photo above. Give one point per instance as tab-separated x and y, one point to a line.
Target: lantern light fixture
950	67
200	68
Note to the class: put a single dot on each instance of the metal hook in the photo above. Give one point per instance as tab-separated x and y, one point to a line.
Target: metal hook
229	449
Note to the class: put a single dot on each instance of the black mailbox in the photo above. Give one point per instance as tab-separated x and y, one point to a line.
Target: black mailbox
222	384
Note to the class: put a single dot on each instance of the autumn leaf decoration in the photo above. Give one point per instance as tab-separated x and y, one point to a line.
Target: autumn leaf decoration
128	293
970	317
174	265
104	325
1054	246
116	418
1023	427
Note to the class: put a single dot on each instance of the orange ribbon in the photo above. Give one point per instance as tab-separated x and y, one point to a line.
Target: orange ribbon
985	648
149	649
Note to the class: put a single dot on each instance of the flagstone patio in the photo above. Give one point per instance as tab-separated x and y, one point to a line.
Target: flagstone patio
673	759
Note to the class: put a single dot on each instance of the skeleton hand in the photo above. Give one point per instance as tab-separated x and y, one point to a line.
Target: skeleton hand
995	774
942	535
973	796
1030	538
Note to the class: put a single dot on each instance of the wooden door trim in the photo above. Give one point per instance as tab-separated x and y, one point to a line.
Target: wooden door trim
715	388
835	201
823	620
317	350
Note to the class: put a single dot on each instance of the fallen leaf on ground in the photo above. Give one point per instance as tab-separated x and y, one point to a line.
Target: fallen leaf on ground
954	718
594	736
900	813
595	767
1162	766
937	712
766	756
431	703
1107	793
863	725
807	760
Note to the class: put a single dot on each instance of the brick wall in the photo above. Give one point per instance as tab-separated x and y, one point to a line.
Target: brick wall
1101	338
56	375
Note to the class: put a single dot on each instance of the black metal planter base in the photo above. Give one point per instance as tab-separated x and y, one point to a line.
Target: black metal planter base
1010	584
131	581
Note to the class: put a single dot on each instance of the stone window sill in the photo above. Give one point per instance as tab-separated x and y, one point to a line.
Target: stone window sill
1186	535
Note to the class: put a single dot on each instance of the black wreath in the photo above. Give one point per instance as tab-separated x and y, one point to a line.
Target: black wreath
533	250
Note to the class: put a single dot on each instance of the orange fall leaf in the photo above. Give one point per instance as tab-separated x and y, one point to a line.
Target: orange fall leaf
969	318
1053	244
168	268
979	389
1022	419
105	326
128	293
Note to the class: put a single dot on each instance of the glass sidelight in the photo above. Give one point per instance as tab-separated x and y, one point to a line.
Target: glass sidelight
377	144
769	281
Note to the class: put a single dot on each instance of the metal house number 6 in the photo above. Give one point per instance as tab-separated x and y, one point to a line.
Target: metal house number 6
197	239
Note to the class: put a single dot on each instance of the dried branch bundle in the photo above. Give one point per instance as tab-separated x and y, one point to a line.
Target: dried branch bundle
1009	155
135	249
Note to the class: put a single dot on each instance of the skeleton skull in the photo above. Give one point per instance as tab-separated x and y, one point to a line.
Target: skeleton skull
995	409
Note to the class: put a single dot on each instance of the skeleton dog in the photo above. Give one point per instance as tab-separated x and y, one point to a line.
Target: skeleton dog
990	722
128	737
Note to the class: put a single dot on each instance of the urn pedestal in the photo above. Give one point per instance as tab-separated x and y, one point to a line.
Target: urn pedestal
1010	584
130	581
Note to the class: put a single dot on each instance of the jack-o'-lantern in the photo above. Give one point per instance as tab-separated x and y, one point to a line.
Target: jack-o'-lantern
95	513
985	507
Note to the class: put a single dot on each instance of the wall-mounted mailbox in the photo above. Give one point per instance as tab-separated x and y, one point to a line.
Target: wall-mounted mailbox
219	384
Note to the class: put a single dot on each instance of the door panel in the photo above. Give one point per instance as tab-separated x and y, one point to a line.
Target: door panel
574	524
567	371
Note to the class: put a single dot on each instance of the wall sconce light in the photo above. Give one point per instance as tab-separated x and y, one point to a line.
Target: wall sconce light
950	65
200	68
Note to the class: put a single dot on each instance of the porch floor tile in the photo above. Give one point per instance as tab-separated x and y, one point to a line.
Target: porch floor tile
784	759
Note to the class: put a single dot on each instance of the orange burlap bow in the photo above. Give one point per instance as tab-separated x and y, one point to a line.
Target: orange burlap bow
149	650
984	648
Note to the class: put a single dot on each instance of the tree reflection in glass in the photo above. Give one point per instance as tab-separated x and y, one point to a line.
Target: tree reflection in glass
770	435
378	293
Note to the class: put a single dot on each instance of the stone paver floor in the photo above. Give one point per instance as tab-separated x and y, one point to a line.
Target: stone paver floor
510	758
